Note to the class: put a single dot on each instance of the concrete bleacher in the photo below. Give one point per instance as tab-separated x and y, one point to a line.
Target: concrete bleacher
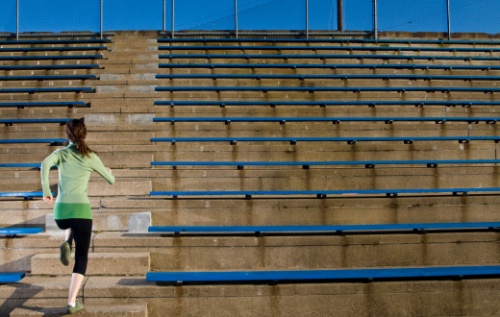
441	219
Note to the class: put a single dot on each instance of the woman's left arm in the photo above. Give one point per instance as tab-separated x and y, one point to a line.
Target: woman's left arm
50	161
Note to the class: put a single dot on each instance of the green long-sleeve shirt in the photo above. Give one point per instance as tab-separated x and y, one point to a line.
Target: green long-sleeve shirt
74	174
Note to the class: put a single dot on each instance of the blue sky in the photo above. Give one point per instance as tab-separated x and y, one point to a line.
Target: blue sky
394	15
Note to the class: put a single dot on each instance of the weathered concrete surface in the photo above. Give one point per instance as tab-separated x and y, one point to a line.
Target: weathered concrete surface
474	297
89	311
137	263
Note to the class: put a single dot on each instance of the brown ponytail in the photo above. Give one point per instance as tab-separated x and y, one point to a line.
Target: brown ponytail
77	132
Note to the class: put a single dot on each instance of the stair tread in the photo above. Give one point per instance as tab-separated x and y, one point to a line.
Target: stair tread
110	311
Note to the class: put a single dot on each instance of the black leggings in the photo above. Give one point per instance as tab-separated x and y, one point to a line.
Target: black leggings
81	232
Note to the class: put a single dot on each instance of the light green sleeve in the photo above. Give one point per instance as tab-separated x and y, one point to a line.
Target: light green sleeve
50	161
99	167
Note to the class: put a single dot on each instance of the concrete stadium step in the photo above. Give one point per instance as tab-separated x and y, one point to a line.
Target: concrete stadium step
50	72
39	296
267	152
258	300
256	108
89	311
49	83
116	160
113	105
17	252
41	151
193	253
287	299
305	129
119	122
281	211
344	210
320	82
122	264
320	151
318	130
335	178
108	78
317	71
98	188
134	67
104	220
44	112
103	127
63	96
136	56
133	137
126	87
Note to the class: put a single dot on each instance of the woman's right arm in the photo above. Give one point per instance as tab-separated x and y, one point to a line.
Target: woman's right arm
102	170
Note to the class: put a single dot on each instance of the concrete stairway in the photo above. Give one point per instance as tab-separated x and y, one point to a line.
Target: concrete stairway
120	128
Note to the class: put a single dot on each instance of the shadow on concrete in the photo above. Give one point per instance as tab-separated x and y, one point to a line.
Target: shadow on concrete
21	294
133	282
43	311
19	265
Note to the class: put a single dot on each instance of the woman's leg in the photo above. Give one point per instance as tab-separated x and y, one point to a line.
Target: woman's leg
65	248
74	287
82	233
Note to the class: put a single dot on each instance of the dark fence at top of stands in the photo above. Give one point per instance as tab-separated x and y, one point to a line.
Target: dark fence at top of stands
254	18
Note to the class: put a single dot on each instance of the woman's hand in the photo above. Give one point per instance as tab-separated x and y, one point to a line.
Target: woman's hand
48	199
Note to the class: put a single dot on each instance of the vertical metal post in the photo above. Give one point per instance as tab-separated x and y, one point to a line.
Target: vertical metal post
236	18
173	17
101	15
17	19
449	18
164	15
340	15
375	20
307	19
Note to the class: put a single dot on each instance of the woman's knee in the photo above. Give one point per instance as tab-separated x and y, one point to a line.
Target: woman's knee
80	265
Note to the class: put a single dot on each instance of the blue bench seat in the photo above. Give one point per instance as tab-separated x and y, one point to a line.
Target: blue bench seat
338	229
370	103
326	48
348	140
49	57
20	165
30	104
335	120
51	141
10	122
325	276
20	231
331	66
49	77
11	277
248	194
49	67
53	49
329	56
329	76
56	41
445	89
24	195
331	40
307	164
32	90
